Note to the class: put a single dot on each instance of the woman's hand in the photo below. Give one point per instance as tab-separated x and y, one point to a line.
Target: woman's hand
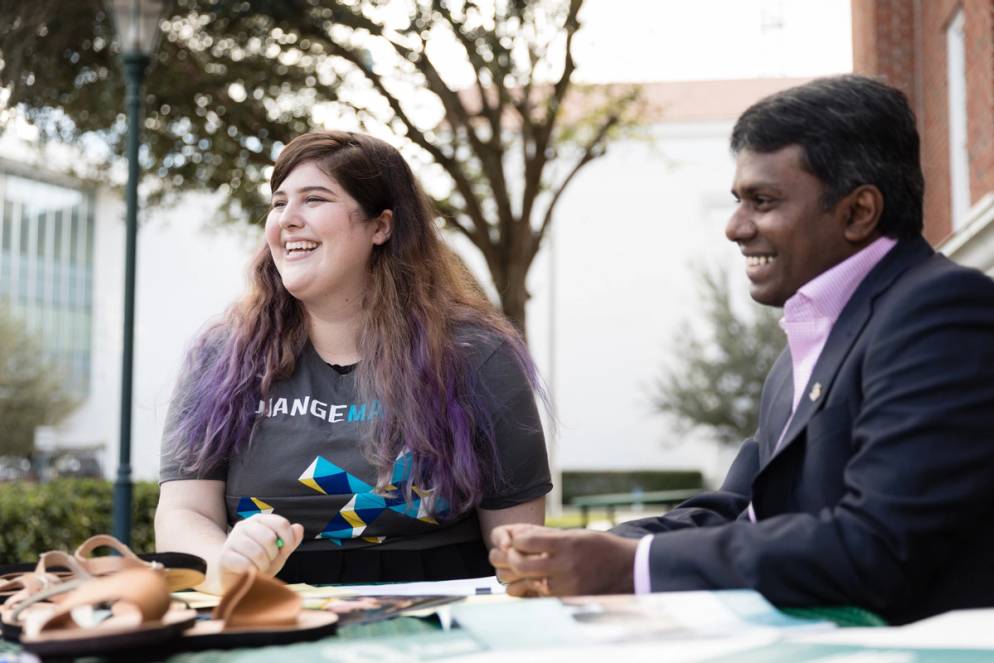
254	542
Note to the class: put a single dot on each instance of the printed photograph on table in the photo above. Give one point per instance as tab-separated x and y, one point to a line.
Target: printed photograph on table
370	609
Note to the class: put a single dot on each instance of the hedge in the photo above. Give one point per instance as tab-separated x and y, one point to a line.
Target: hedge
61	514
576	483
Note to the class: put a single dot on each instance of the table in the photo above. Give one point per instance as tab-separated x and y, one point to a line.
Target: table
409	638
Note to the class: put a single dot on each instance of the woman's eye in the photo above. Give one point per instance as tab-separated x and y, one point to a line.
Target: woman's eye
314	199
276	204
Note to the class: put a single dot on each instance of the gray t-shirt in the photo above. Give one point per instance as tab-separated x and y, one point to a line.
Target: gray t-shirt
303	459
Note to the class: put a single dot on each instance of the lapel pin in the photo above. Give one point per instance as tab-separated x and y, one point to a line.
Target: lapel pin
815	391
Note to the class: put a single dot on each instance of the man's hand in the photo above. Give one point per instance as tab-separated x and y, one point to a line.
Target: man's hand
253	542
541	561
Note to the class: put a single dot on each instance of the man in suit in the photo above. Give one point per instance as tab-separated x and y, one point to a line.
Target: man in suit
870	481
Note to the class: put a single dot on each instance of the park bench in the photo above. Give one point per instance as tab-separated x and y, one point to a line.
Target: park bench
634	498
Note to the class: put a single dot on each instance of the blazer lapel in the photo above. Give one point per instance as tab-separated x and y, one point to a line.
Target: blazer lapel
844	333
773	415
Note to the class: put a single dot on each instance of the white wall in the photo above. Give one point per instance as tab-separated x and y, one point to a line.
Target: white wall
188	271
627	234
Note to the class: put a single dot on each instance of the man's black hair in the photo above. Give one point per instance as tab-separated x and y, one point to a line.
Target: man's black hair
853	130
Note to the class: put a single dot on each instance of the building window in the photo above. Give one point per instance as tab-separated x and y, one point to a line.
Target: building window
46	269
959	164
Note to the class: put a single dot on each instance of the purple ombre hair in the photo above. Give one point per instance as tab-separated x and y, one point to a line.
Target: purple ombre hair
423	314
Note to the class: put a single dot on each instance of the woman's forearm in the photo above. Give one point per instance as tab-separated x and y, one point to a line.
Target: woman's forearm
532	512
184	530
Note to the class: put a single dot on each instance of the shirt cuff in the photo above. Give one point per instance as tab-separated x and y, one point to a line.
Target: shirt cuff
643	583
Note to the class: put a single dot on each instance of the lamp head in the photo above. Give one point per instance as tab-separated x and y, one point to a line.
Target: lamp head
137	24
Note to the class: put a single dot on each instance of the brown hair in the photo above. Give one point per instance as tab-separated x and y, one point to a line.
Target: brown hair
419	298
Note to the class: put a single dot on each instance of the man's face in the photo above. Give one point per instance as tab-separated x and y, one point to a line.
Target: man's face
785	234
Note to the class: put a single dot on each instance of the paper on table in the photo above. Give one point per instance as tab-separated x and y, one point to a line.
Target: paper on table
671	651
626	618
486	586
464	587
959	629
197	600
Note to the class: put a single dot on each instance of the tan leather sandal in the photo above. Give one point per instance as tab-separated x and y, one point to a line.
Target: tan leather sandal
128	610
258	610
36	591
181	569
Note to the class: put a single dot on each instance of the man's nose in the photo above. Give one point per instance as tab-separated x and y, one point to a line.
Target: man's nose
739	227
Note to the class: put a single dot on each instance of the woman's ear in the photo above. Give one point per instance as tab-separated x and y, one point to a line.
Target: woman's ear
384	227
864	206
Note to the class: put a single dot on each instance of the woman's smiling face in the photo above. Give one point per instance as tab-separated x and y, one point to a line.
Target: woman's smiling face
319	237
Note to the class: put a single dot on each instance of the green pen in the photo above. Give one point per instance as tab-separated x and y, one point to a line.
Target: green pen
279	542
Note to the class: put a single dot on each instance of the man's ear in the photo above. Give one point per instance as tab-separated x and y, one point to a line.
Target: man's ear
384	227
863	207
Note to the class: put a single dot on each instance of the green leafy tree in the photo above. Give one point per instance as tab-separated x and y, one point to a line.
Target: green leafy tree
31	391
716	378
233	81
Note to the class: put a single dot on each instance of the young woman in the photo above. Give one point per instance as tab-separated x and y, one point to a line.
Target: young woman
363	414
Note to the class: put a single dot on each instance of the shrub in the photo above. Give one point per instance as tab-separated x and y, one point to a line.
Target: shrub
576	484
31	388
715	379
61	514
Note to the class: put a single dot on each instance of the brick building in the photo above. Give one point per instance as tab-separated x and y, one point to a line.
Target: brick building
941	53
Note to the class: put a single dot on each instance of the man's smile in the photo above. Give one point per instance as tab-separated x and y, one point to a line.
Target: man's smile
756	261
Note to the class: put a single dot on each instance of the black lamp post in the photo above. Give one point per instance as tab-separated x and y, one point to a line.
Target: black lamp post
137	23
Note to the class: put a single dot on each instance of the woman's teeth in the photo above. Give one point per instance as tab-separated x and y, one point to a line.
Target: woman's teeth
300	246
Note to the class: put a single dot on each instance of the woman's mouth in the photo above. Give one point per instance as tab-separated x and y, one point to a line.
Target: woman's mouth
299	248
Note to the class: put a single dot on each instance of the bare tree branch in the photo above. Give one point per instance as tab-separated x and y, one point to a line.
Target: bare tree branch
593	150
536	164
244	78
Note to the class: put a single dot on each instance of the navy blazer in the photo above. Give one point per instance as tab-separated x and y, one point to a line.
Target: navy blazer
882	492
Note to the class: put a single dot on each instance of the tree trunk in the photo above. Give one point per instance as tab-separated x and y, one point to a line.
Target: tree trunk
514	296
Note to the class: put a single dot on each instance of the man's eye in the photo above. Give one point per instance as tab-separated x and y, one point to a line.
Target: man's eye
762	202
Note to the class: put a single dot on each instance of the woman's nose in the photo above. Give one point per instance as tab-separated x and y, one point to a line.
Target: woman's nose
290	217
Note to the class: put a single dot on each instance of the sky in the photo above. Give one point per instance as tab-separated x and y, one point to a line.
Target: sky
675	40
660	40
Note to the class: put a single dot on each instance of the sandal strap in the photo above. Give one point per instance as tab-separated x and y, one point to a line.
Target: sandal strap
26	585
99	566
258	600
85	549
43	583
48	592
141	591
54	558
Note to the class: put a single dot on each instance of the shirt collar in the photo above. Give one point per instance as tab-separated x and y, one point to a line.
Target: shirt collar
824	296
